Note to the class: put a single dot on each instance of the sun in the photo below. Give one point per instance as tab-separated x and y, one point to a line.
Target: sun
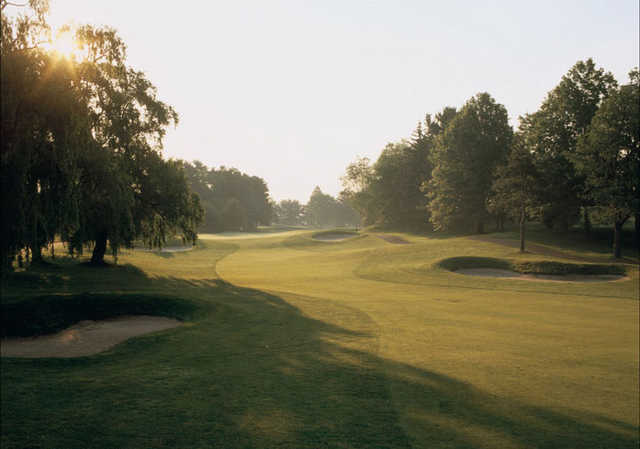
64	44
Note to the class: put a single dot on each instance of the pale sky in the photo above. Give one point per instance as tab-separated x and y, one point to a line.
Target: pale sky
292	91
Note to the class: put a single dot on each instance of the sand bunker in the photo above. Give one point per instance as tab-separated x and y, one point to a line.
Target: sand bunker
497	273
175	249
86	337
333	236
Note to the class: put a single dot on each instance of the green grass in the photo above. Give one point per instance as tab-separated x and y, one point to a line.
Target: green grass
362	343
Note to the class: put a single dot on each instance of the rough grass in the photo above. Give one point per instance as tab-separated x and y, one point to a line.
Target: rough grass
360	344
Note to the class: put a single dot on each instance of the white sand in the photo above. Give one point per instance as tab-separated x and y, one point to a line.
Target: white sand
86	337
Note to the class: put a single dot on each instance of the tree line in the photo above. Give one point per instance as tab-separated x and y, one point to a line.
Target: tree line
321	210
80	155
577	157
232	200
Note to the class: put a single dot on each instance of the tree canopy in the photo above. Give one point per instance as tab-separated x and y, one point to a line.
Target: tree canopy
232	200
608	157
552	133
473	144
81	142
324	210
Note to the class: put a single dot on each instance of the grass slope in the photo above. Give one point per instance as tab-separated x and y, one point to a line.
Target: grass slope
360	343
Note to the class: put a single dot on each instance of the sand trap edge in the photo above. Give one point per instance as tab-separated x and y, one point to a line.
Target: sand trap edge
86	337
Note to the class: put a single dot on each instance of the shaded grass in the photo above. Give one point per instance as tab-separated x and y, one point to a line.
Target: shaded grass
51	313
530	267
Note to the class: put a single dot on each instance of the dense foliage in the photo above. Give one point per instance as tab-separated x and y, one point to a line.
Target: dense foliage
232	201
608	157
80	149
389	191
322	210
578	154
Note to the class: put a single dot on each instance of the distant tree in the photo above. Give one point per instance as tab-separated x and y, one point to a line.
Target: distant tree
216	187
356	182
476	140
553	132
346	215
516	186
319	209
289	212
390	190
608	156
234	215
395	184
324	210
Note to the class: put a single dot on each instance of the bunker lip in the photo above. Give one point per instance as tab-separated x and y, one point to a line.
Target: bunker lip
508	274
333	236
86	337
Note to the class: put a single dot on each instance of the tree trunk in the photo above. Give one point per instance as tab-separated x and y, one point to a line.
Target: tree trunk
479	227
36	253
636	235
587	223
97	258
6	265
500	222
522	220
617	234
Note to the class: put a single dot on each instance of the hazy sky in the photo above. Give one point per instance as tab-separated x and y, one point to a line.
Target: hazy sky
293	91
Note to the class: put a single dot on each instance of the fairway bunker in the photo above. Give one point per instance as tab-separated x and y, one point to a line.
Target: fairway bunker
86	337
333	236
509	274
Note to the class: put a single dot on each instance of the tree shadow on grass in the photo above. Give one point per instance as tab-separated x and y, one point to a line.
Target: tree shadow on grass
257	371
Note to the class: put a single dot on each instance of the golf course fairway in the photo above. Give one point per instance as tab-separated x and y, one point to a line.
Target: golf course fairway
356	343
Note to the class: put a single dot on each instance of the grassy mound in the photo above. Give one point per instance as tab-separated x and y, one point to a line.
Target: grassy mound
335	232
51	313
319	239
530	267
460	263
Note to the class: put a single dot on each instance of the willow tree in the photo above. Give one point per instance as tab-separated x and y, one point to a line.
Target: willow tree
146	197
43	130
80	149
